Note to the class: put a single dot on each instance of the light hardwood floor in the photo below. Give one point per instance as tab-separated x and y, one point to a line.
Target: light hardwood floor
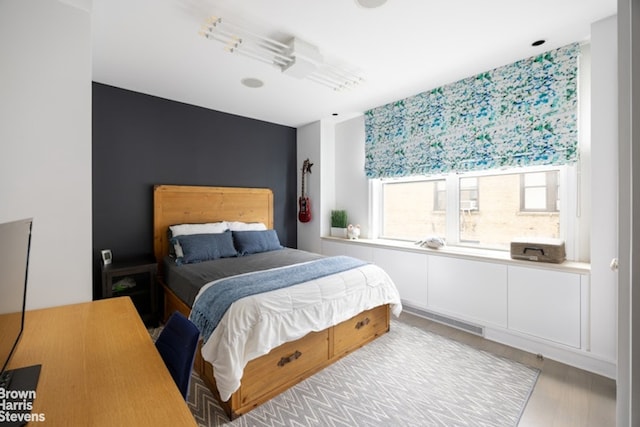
564	396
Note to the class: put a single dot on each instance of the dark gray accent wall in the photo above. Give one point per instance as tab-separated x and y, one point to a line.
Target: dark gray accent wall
140	141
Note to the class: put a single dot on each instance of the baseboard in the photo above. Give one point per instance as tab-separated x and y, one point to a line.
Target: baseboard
569	356
573	357
446	320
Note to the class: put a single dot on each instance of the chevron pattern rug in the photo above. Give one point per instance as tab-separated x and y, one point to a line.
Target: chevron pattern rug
407	377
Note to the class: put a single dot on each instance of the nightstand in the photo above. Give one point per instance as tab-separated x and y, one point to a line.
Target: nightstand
135	278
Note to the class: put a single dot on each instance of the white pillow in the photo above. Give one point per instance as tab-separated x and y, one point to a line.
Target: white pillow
206	228
246	226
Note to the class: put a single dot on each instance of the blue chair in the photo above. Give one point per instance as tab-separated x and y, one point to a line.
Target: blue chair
177	345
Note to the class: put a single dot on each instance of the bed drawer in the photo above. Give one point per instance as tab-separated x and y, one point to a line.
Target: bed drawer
283	364
360	329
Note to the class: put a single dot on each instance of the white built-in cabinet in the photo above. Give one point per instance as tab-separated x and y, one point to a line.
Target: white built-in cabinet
540	308
546	304
470	290
408	271
335	247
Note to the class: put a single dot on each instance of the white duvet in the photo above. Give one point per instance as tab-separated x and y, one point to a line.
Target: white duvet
254	325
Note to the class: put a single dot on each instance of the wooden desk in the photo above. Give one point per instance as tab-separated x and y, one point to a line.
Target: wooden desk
99	367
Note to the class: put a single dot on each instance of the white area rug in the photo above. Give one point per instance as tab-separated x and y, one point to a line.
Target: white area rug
407	377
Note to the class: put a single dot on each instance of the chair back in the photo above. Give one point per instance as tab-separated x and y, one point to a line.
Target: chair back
177	345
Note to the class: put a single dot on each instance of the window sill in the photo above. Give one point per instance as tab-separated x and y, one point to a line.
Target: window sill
502	257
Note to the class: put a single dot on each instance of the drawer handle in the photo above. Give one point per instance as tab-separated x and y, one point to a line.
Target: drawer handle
362	323
291	358
533	250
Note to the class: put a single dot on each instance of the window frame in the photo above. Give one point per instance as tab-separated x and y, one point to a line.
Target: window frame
568	194
551	191
471	189
437	206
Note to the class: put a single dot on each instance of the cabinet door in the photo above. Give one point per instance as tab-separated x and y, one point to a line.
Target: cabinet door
408	271
336	248
545	304
364	253
332	248
470	290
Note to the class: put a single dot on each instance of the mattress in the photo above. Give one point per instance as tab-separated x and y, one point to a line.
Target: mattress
187	279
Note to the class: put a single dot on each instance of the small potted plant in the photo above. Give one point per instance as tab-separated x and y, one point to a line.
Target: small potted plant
339	223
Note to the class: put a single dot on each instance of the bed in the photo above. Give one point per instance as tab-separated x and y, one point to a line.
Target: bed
299	336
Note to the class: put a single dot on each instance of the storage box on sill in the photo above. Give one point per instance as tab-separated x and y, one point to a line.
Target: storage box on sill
539	250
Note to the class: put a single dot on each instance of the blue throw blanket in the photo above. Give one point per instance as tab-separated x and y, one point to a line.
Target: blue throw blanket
211	305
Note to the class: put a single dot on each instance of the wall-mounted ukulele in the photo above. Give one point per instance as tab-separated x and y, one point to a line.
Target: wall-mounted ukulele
304	215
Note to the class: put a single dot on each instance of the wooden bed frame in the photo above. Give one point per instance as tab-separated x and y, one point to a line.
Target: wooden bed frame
288	364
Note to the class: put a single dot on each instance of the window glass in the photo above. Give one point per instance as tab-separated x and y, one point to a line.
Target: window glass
412	210
440	196
540	191
535	198
535	179
493	209
469	193
501	218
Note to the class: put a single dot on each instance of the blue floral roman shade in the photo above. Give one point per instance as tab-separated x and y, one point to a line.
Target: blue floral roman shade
521	114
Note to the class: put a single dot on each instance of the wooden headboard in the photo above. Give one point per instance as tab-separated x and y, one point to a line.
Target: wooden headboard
179	204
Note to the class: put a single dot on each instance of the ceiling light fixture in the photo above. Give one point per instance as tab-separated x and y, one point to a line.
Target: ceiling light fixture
252	82
294	57
371	4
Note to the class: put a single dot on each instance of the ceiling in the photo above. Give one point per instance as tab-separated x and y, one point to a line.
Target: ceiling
402	48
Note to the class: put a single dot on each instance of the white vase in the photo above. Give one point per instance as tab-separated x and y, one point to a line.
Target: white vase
339	232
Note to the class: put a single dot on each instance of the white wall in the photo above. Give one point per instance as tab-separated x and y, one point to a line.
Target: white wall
337	180
309	144
327	180
352	186
604	185
45	140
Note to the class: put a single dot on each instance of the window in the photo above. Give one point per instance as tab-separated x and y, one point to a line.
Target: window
483	209
440	196
539	192
413	208
469	194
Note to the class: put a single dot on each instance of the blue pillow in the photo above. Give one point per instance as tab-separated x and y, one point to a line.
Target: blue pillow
255	241
205	247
